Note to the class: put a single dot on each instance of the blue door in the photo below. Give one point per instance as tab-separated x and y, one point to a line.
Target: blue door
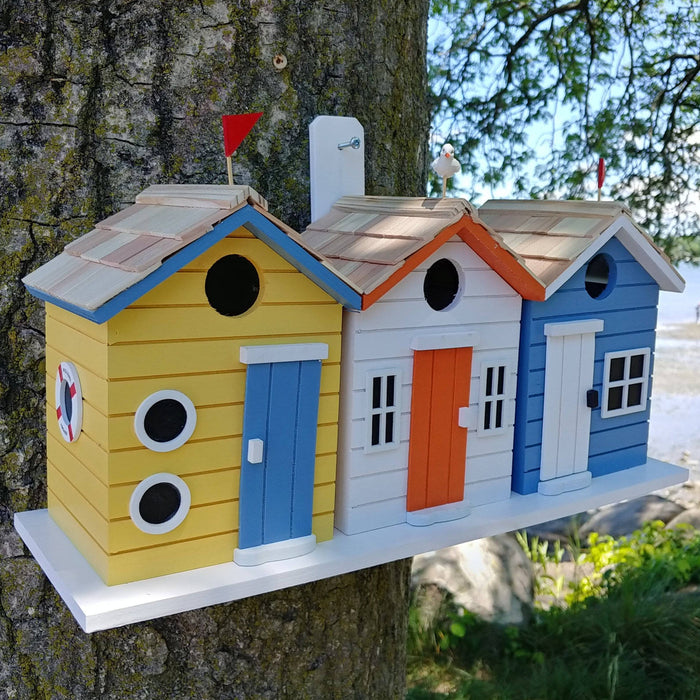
279	451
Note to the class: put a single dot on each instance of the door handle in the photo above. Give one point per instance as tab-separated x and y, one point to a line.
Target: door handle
592	398
467	417
255	451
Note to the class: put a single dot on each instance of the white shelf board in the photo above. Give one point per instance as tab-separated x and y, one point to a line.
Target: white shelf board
97	606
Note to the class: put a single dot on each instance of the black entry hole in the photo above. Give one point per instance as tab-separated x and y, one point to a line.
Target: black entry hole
232	285
159	503
597	276
165	420
441	284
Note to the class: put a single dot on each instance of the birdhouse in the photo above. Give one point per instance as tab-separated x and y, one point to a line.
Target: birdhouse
587	348
234	407
188	354
429	364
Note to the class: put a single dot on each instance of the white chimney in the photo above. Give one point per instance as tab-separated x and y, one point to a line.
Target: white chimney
337	161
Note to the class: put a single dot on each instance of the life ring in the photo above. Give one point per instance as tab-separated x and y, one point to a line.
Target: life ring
69	401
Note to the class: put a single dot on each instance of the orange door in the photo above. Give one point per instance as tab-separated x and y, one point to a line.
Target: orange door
438	446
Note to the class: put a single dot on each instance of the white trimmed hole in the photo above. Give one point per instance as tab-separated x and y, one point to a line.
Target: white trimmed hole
165	420
159	503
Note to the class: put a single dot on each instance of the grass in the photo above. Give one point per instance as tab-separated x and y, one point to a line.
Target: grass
630	630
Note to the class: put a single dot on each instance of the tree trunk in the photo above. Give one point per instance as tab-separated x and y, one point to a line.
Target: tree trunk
98	100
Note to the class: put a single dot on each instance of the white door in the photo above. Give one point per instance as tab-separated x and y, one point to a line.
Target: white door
566	418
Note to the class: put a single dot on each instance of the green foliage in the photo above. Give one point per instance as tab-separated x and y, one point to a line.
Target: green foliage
544	583
629	628
533	93
650	560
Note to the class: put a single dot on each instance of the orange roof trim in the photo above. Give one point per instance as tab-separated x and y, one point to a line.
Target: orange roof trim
502	260
410	264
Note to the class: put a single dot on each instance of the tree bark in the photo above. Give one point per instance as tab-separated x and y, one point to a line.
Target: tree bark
98	100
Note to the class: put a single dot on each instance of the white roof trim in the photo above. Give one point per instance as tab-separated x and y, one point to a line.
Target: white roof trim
636	242
638	245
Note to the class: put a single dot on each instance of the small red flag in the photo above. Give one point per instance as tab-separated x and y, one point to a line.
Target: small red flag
601	173
236	128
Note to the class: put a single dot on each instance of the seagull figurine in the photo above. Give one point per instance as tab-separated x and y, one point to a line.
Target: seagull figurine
446	165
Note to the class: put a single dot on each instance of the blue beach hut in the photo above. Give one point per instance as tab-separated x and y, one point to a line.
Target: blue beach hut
586	351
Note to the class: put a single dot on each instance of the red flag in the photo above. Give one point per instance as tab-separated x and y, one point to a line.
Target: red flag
601	173
236	128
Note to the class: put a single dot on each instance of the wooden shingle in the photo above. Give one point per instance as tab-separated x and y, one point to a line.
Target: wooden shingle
126	247
201	196
368	240
166	221
553	236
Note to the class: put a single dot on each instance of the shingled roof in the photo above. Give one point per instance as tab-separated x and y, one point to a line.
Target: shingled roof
555	237
372	242
365	239
357	252
128	253
128	246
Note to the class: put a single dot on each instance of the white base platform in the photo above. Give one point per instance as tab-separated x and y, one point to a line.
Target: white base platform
97	606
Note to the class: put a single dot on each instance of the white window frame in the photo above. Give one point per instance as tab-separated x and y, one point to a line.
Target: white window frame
625	382
383	410
494	398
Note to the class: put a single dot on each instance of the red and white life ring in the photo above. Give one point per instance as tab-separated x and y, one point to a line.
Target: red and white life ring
69	401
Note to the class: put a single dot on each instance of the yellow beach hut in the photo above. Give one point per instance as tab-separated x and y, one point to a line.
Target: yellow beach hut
177	332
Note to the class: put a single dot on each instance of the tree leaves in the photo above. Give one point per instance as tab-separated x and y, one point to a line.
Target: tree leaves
531	94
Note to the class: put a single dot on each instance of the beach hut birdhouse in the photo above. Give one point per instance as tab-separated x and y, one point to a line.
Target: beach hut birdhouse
587	348
234	407
186	353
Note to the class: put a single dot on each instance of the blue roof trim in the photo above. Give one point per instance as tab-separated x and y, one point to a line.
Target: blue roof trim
260	226
77	310
303	261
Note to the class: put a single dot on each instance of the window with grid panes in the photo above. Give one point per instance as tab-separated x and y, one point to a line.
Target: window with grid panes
492	405
383	391
625	382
